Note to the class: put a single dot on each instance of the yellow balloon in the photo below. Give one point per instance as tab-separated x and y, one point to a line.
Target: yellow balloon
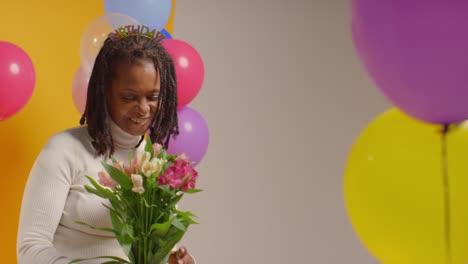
395	196
50	33
170	23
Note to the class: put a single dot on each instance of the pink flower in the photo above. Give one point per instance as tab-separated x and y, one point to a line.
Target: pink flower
119	165
191	180
157	148
179	175
106	180
127	169
170	177
123	167
183	156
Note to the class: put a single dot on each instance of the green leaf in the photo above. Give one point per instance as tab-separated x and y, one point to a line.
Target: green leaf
150	183
160	242
164	168
117	225
189	221
117	208
161	229
131	257
185	213
186	220
114	160
162	154
128	233
171	158
101	257
174	201
149	146
192	222
96	192
124	234
161	215
173	237
167	189
186	217
193	191
164	258
176	222
99	190
121	178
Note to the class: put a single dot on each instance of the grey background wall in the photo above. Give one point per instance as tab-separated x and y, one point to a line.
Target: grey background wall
284	97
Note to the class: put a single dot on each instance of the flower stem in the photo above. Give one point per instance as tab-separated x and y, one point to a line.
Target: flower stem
140	250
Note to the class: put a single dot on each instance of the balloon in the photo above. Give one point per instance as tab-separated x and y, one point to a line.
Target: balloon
189	69
17	79
50	108
394	190
166	34
80	89
416	53
153	13
96	33
193	138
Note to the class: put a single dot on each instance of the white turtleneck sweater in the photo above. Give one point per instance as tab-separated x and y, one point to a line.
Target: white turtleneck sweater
54	198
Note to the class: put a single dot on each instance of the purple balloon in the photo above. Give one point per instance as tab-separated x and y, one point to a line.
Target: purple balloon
416	51
193	138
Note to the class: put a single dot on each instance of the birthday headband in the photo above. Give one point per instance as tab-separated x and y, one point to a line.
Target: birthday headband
136	30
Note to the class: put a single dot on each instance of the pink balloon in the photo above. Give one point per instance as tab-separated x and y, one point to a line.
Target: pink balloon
189	69
17	79
80	89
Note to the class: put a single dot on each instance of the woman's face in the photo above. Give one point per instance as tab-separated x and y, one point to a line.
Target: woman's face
133	96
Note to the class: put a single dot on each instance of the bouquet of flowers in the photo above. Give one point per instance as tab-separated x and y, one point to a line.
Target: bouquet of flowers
143	195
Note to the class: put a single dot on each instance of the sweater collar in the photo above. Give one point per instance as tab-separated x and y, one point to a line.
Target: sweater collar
122	139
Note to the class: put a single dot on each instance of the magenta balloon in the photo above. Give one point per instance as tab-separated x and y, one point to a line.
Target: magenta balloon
17	79
416	51
193	139
189	69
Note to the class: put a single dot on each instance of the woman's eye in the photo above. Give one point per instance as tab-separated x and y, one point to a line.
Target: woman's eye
128	98
154	98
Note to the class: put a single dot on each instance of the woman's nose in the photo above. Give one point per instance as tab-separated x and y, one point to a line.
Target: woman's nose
143	107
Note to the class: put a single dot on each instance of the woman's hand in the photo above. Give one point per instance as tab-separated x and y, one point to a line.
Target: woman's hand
181	256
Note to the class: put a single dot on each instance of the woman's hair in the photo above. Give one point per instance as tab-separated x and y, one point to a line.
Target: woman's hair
131	49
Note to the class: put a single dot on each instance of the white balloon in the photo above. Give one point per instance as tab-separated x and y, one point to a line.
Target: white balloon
96	33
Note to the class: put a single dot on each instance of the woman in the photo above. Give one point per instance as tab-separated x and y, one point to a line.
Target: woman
132	89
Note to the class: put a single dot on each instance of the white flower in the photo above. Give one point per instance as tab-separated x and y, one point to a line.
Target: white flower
143	156
137	181
139	159
153	166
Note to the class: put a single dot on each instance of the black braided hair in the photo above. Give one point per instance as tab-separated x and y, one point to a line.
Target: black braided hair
132	49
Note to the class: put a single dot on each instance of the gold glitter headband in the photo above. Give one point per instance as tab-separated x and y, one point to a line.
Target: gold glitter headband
136	30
